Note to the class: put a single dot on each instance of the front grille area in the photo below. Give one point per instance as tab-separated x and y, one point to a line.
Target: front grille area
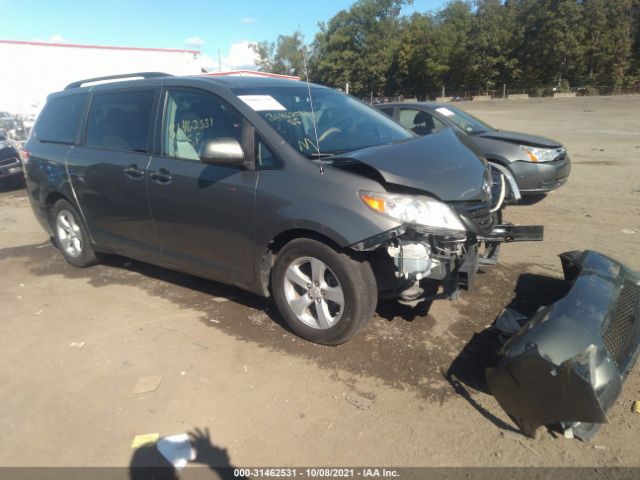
554	183
479	213
9	161
618	333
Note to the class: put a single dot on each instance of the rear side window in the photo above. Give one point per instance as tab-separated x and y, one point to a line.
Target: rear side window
120	121
58	121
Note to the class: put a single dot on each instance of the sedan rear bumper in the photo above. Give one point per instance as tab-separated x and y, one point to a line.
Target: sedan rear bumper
567	364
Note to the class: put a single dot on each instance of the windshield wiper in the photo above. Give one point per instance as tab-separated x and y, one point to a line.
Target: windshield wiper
330	154
347	150
320	155
337	152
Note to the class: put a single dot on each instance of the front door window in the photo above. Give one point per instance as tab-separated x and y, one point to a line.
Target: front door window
192	119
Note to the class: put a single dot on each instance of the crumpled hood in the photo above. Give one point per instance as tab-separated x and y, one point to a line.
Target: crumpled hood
444	164
520	138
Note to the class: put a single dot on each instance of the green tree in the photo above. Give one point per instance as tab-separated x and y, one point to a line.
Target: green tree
356	46
433	50
635	50
451	44
467	44
608	40
285	56
551	39
491	58
418	65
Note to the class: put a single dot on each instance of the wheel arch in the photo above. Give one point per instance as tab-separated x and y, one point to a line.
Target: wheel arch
497	159
356	297
51	199
267	257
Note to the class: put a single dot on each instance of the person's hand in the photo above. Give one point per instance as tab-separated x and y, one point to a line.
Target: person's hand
205	451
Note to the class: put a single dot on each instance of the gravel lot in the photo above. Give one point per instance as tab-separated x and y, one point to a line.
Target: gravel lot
405	392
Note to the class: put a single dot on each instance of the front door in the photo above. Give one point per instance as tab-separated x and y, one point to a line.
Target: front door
204	214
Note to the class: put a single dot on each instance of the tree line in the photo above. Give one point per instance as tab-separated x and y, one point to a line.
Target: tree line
467	45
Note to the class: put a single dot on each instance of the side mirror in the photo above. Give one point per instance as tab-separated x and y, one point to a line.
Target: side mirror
222	151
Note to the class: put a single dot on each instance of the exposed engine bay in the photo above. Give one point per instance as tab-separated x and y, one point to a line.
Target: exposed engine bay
417	264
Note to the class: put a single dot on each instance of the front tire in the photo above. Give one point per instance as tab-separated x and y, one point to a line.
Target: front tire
324	296
71	236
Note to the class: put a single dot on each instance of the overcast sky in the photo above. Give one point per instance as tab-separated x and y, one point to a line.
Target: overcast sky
208	25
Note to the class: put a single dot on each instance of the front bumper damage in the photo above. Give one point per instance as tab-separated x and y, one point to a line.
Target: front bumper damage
409	262
567	364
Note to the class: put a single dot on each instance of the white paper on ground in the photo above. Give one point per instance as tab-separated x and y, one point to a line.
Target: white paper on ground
261	102
445	111
176	449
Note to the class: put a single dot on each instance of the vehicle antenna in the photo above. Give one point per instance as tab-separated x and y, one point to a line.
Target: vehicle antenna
313	114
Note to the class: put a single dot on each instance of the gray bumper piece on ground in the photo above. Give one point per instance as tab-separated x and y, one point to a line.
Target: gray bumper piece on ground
567	364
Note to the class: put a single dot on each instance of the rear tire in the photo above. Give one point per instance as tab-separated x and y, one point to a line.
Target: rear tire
324	296
71	236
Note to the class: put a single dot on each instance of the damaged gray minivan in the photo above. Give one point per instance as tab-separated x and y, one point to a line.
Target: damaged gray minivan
276	186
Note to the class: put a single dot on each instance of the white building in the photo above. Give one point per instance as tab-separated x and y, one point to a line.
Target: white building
32	70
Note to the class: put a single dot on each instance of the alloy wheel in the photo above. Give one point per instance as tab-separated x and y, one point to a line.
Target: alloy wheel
313	293
69	234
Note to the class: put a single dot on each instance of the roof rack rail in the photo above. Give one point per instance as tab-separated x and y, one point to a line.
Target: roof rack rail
115	77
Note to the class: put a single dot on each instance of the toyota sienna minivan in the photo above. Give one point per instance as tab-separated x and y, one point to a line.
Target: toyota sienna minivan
276	186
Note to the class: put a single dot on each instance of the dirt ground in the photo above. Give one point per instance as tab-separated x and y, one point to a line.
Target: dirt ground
407	391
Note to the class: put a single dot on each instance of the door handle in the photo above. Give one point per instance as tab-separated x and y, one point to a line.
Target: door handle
162	176
133	172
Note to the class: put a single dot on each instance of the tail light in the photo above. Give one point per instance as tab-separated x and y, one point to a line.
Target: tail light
24	155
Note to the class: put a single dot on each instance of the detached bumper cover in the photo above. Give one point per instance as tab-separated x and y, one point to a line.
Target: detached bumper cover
567	364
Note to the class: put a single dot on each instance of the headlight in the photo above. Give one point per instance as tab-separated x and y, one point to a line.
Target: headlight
541	155
423	211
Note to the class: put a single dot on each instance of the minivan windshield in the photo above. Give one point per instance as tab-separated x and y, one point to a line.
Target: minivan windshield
342	123
464	121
